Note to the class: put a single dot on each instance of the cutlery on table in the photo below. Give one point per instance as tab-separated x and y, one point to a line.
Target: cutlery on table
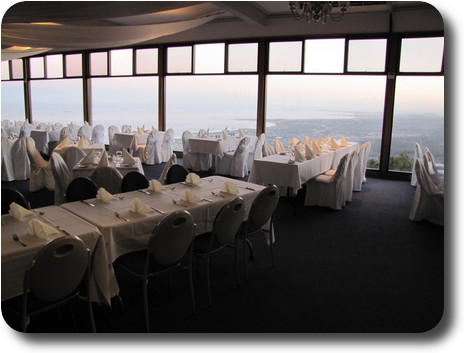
157	210
178	203
16	238
144	191
88	203
41	213
246	187
216	194
207	200
119	216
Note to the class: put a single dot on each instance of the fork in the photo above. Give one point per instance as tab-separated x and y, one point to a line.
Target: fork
119	216
178	203
16	238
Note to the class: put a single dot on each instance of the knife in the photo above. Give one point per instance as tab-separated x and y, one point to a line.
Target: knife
246	187
55	225
144	191
88	203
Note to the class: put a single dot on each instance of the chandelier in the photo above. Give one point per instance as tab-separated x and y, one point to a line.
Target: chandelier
318	11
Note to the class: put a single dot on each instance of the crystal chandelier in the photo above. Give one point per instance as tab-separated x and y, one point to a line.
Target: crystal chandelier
318	11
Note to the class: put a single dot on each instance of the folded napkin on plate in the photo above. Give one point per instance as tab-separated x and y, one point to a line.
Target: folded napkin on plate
40	229
334	145
319	141
155	186
343	141
306	140
309	154
294	141
139	207
299	157
241	133
193	179
104	195
140	130
316	147
63	143
81	142
224	135
89	159
229	187
128	159
18	211
104	160
189	196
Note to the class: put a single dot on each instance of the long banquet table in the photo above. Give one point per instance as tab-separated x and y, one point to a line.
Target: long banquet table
276	169
85	170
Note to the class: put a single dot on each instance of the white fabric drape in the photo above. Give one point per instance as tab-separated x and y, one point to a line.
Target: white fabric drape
62	177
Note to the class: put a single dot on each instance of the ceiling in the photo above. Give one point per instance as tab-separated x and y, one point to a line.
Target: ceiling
33	27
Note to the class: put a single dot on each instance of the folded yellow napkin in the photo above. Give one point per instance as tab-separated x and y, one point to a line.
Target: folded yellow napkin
155	186
294	141
18	211
140	131
309	154
139	207
104	160
229	187
104	195
63	143
343	141
299	157
40	229
279	146
128	159
81	143
319	141
89	159
224	135
334	145
241	133
317	150
193	179
306	140
189	196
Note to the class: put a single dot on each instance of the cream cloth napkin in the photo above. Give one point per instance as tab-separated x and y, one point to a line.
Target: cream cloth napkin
343	141
224	135
63	143
40	229
193	179
309	154
334	145
241	133
104	195
128	159
140	130
294	141
229	187
155	186
306	140
316	147
299	157
189	196
319	141
104	160
18	211
81	142
89	159
139	207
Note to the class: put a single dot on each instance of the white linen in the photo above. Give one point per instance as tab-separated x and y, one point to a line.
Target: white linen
193	179
155	186
235	163
189	196
41	171
104	195
171	161
62	175
19	212
127	158
98	134
20	158
7	160
299	156
139	207
104	162
84	170
229	187
40	230
89	158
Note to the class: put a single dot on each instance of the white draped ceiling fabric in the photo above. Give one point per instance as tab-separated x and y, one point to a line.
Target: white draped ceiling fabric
26	39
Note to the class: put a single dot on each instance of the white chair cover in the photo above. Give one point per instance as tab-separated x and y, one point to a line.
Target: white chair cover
7	123
437	167
41	171
360	169
163	153
349	178
268	150
235	163
126	129
72	156
171	161
66	131
112	148
429	199
417	155
257	151
7	161
98	134
194	161
328	191
86	131
57	126
62	176
147	153
21	163
26	129
107	177
435	176
43	126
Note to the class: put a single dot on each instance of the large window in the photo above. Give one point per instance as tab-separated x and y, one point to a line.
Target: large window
13	101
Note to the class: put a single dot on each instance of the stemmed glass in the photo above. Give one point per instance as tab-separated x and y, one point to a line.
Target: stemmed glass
118	158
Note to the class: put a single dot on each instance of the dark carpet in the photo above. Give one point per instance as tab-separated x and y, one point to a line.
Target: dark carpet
365	269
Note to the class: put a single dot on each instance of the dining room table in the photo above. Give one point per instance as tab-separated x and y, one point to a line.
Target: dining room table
84	170
43	137
129	141
17	258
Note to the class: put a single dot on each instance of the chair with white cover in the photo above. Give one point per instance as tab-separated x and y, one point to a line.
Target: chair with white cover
235	163
417	155
328	191
170	243
98	134
59	273
429	199
147	153
41	170
171	161
62	176
349	178
111	131
26	129
72	156
438	168
21	163
7	161
192	160
164	147
126	129
85	131
257	151
107	177
43	126
361	166
435	176
66	131
268	150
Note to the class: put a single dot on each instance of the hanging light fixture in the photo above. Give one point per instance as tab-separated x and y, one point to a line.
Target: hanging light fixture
318	11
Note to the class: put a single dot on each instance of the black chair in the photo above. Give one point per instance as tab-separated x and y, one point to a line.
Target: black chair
224	234
134	181
12	195
176	174
81	189
169	243
59	273
261	212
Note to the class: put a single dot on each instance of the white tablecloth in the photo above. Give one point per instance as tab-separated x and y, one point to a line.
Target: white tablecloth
16	258
98	147
276	169
129	141
85	171
214	146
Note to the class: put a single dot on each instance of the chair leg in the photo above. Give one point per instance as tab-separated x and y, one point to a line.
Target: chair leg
236	262
208	279
245	259
145	303
192	293
92	319
250	246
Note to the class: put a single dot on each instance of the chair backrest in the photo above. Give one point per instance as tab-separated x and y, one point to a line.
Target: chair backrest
228	221
172	238
11	195
263	208
268	150
171	161
107	177
43	126
186	135
176	174
340	173
85	131
34	155
258	153
58	269
168	136
81	189
98	133
111	131
134	181
126	129
72	156
425	180
242	147
66	131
